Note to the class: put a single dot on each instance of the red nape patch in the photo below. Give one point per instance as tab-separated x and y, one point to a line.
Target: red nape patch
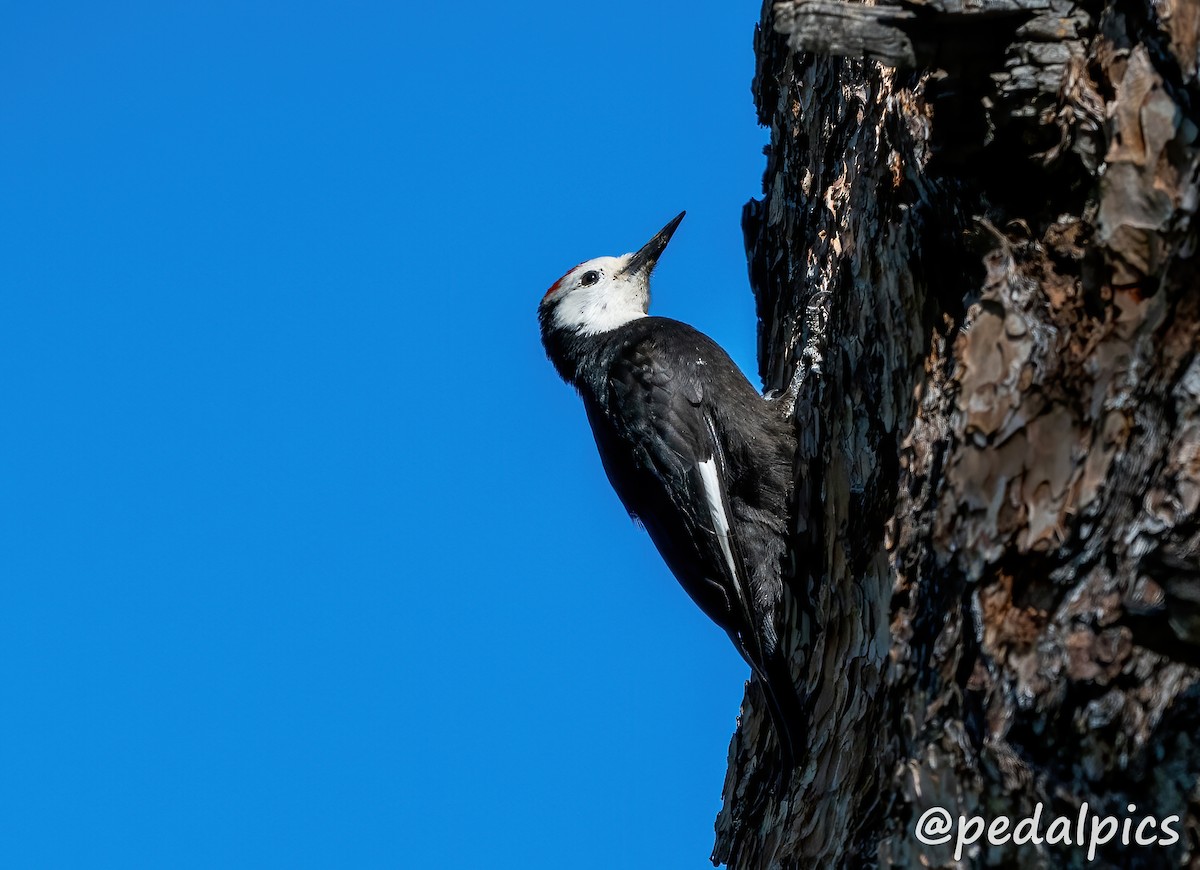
557	285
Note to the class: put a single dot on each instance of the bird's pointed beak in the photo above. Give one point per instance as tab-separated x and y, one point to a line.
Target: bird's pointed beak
644	259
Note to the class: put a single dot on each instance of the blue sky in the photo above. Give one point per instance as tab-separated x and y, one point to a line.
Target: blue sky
308	557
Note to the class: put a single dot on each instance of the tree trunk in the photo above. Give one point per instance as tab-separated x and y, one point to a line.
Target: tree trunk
977	270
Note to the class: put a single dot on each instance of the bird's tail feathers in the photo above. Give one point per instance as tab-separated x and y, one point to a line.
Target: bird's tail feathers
784	707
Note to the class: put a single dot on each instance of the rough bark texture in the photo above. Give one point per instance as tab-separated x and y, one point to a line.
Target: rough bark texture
979	272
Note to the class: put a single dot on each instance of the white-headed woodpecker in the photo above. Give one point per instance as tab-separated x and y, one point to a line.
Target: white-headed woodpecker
694	452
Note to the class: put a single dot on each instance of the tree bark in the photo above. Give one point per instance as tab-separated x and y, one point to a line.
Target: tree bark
976	268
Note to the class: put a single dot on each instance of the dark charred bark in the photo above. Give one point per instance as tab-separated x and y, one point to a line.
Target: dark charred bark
979	271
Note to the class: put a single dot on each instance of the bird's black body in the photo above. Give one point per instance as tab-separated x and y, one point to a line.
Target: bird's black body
662	398
673	417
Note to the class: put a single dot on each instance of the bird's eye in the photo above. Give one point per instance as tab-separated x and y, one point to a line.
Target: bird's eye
587	279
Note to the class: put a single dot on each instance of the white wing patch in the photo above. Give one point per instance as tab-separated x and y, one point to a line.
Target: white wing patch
720	517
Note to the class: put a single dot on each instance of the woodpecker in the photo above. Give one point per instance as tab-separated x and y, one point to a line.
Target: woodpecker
694	452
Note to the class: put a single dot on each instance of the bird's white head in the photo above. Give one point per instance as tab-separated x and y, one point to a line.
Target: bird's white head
603	294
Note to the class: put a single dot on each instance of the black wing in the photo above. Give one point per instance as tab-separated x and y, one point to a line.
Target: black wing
664	457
